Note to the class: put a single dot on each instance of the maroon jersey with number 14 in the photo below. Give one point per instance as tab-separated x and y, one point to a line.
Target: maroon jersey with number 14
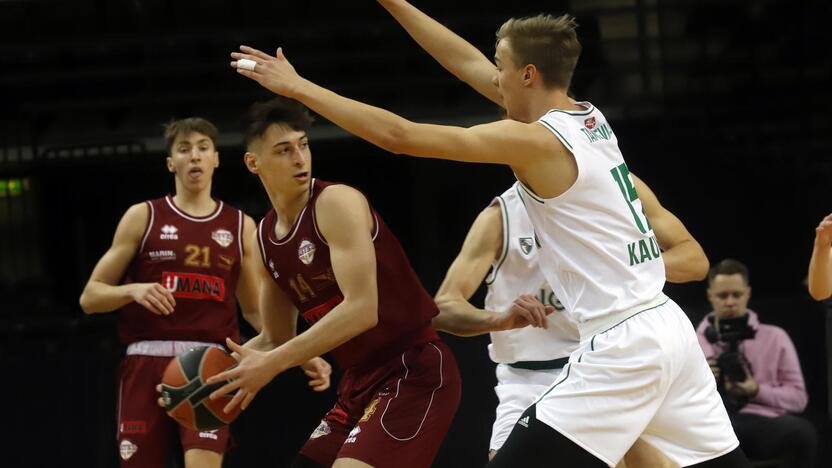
198	260
300	264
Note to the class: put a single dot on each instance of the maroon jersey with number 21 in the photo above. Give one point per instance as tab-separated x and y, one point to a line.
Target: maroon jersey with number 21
198	260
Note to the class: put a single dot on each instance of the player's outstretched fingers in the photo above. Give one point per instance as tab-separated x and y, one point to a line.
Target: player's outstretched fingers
256	53
248	399
235	401
232	385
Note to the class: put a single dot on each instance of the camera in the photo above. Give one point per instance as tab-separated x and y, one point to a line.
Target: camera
732	363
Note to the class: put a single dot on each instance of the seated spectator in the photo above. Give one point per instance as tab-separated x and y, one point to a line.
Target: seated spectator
820	266
757	372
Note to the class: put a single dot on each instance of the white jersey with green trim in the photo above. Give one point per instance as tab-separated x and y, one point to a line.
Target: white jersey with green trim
597	248
514	273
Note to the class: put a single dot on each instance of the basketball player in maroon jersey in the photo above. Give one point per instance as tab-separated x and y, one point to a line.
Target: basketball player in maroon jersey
330	257
183	260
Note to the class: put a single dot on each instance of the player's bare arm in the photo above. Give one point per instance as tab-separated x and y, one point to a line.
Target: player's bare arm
248	285
344	219
458	316
454	53
684	259
103	293
820	265
540	160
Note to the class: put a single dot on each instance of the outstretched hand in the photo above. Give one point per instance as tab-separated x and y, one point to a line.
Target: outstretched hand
252	373
273	73
524	311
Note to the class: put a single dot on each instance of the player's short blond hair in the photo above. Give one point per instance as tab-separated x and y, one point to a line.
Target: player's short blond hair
174	128
547	42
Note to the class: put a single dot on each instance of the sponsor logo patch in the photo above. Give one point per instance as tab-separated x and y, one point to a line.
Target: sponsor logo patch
524	421
226	262
274	271
306	251
169	232
526	244
371	408
320	431
209	435
127	449
161	255
222	237
589	123
194	285
132	427
353	435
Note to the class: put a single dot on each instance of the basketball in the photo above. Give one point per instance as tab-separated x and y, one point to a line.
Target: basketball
186	395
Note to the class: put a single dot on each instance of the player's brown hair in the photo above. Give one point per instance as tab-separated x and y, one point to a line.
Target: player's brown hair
547	42
187	126
280	111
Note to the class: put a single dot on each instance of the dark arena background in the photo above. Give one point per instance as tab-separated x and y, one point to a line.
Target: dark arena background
722	107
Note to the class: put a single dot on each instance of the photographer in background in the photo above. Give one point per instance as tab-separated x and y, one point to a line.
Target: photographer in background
762	384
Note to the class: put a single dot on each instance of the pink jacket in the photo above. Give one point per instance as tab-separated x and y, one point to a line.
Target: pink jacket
775	367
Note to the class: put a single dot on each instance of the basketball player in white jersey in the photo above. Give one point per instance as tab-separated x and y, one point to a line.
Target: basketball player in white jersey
529	359
639	371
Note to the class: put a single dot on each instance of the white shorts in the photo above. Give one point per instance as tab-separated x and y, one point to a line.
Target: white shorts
516	389
644	377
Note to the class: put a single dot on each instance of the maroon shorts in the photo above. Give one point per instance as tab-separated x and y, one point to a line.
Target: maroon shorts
399	410
145	431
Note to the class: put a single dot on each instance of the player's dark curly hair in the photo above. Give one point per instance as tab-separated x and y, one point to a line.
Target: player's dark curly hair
280	111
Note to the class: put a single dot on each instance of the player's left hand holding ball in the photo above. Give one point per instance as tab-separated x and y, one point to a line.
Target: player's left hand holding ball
251	374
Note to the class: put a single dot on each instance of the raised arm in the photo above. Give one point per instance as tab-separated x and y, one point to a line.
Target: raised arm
103	293
684	259
454	53
820	266
248	286
483	244
504	142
